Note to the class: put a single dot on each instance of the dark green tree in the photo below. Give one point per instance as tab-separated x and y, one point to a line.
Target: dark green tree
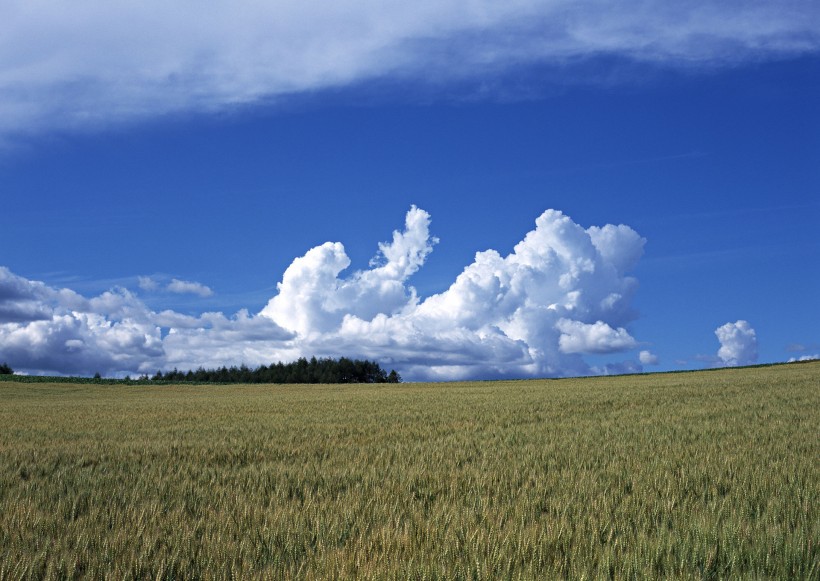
6	370
302	370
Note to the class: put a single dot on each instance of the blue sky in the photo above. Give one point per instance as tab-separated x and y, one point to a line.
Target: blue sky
217	152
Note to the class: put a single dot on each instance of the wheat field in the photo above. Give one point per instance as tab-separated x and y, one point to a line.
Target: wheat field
695	475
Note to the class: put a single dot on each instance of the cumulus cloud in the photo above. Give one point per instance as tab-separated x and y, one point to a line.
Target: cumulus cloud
108	333
214	340
313	299
578	337
115	333
503	316
738	343
96	62
563	292
647	358
23	301
187	287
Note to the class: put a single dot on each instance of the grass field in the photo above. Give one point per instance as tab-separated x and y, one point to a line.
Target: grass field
698	475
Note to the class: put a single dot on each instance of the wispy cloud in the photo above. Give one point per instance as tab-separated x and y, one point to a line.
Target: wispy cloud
85	64
154	284
564	292
147	283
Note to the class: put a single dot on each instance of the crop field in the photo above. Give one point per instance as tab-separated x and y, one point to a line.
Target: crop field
698	475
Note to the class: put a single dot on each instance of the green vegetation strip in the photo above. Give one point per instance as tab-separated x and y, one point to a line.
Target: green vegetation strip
704	475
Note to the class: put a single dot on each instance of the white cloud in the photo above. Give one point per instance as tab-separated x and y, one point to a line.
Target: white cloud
805	358
81	343
647	358
23	300
81	64
147	283
563	292
186	287
578	337
312	299
217	340
176	286
115	333
738	343
502	315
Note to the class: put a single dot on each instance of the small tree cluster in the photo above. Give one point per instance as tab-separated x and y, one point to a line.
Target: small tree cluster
302	370
6	370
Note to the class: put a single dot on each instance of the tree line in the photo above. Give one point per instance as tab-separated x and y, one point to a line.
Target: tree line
313	370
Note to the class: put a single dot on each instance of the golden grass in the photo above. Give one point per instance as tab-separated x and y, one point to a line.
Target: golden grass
705	475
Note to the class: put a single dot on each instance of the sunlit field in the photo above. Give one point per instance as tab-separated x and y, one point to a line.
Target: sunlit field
706	475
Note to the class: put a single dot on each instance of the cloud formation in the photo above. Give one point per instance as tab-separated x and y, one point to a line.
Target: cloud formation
563	292
503	316
147	283
187	287
91	63
57	331
577	337
738	343
313	300
153	284
648	358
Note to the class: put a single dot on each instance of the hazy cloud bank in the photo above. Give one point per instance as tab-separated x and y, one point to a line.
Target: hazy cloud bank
562	293
75	65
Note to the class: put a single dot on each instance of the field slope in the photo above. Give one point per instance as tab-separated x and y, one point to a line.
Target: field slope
706	474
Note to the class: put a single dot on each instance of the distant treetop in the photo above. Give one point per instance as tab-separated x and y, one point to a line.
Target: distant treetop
302	370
